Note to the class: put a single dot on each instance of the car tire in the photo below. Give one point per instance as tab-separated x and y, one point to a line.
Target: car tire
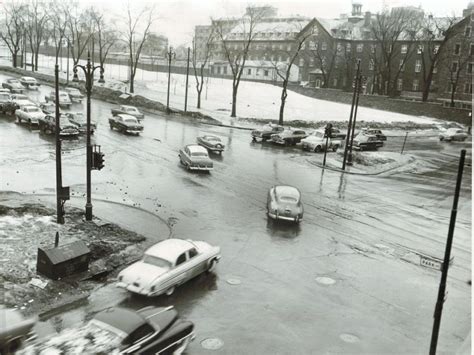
318	149
335	147
170	291
212	265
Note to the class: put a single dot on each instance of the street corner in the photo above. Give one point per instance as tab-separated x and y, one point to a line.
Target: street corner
26	227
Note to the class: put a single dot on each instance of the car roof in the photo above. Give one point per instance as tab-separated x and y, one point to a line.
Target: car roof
126	117
194	148
122	319
128	106
210	136
169	249
27	78
287	190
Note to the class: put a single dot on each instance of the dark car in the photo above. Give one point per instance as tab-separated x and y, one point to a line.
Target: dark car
266	132
284	203
14	86
337	134
14	330
366	142
78	119
375	132
150	330
126	124
289	137
211	143
47	125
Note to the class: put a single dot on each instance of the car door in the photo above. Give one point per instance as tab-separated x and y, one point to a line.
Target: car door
196	263
180	272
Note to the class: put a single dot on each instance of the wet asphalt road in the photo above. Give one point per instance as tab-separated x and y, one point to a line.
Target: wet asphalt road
337	283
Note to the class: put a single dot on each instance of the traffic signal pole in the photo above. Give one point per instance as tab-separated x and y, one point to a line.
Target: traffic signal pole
59	180
358	88
447	256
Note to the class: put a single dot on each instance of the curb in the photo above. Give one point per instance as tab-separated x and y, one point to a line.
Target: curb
319	165
61	307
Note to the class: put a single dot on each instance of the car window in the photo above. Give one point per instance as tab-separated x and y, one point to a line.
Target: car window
192	253
138	335
181	259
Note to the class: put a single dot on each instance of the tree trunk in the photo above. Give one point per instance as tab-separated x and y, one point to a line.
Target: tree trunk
453	90
234	101
36	60
14	59
283	101
199	100
132	79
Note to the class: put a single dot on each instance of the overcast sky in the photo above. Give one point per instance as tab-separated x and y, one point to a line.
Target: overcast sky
177	18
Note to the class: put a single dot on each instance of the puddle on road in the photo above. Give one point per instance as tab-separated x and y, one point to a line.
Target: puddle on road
349	338
234	281
324	280
212	343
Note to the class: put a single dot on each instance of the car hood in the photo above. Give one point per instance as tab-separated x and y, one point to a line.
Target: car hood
143	273
132	124
313	139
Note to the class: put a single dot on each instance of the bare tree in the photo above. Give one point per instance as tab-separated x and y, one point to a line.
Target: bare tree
36	18
57	25
237	58
325	58
106	37
138	30
14	28
283	70
435	35
200	61
79	31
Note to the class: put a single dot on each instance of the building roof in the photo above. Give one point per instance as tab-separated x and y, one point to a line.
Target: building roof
170	249
271	29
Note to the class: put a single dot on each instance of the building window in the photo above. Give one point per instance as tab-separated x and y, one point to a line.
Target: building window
301	62
416	85
417	66
472	49
249	71
224	70
360	47
372	48
324	46
273	47
257	73
402	65
454	67
279	58
469	68
334	82
339	47
457	48
281	46
436	49
312	47
265	73
348	47
468	31
399	84
419	49
451	88
236	46
289	48
311	62
404	49
371	64
468	88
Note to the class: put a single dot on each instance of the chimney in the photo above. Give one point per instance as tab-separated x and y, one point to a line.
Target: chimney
356	9
367	18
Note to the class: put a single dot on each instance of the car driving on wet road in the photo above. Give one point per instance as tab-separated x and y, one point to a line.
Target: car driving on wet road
125	124
195	157
284	203
211	143
168	264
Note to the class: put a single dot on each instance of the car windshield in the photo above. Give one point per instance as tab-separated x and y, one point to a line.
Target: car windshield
32	109
213	139
155	261
63	94
4	96
318	134
12	81
199	154
289	199
20	97
131	109
130	120
74	91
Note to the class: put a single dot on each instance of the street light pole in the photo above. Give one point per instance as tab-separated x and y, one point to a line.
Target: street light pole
170	55
358	88
59	180
88	70
187	77
67	74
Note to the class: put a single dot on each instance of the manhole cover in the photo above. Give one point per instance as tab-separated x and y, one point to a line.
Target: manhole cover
212	343
234	281
323	280
349	338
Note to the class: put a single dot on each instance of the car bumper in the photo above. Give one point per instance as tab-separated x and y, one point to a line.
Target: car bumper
134	131
285	218
134	289
68	134
201	168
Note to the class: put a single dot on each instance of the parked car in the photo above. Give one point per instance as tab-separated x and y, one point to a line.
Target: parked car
47	125
6	104
5	90
74	94
337	134
78	119
374	132
14	330
195	157
13	85
316	142
29	114
167	265
48	108
21	100
128	110
266	132
284	203
211	143
126	124
64	99
29	82
453	134
366	142
118	330
288	137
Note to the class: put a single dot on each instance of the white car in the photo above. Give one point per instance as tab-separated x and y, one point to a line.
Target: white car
167	265
453	134
316	142
29	114
29	82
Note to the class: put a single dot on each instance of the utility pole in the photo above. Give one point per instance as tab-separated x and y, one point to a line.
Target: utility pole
327	133
404	141
447	255
350	119
88	70
187	77
170	55
67	74
358	88
57	129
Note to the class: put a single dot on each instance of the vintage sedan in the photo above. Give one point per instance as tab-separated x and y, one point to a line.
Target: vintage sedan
289	137
118	330
168	264
453	134
64	99
284	203
211	143
195	157
374	132
74	94
266	132
29	82
21	100
128	110
47	125
29	114
126	124
78	119
13	85
366	142
316	142
14	330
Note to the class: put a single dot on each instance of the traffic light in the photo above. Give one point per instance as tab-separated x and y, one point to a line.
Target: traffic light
98	160
328	130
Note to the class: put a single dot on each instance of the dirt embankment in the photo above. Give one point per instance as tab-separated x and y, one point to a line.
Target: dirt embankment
25	227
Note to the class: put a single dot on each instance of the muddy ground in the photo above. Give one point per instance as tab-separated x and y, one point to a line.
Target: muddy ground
27	226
